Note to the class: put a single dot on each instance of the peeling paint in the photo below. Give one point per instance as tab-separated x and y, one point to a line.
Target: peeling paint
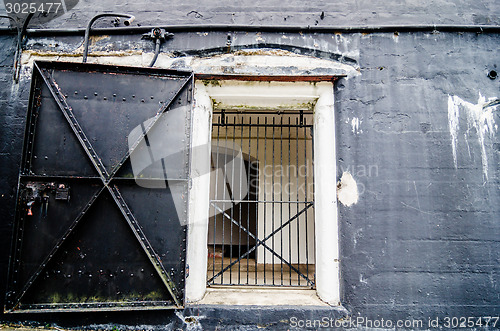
29	56
264	61
347	190
251	61
191	322
258	37
362	280
246	52
479	118
395	37
115	327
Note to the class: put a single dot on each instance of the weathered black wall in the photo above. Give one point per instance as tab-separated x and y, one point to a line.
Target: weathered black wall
13	102
423	239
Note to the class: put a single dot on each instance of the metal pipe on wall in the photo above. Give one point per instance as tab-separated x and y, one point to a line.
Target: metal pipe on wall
157	51
19	50
127	22
269	28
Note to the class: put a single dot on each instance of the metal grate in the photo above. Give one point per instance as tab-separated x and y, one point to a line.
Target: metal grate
261	229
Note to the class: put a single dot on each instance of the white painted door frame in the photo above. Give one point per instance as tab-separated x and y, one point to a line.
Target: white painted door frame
272	95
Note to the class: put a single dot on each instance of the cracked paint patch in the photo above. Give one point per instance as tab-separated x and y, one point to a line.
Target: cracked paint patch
347	190
113	327
479	116
191	322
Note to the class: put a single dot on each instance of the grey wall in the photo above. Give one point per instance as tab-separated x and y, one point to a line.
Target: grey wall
294	12
423	239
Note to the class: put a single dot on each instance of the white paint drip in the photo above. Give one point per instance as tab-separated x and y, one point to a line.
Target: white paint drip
453	115
479	118
355	125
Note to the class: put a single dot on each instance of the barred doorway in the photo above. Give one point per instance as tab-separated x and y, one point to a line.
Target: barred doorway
261	226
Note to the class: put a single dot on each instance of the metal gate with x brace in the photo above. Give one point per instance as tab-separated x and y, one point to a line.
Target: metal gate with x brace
253	212
87	236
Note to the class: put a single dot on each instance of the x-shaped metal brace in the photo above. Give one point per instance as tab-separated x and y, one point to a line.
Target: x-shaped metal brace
262	242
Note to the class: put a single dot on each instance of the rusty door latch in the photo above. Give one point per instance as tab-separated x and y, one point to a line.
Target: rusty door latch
39	193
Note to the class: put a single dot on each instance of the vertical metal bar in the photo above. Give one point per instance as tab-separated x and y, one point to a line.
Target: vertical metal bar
249	172
273	198
281	193
216	185
306	196
289	203
231	196
311	127
240	197
224	188
297	192
214	239
217	190
256	191
265	190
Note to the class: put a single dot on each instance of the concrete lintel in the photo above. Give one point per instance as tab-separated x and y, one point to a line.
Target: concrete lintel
252	95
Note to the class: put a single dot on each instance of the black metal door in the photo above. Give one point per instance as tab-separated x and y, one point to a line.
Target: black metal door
93	230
